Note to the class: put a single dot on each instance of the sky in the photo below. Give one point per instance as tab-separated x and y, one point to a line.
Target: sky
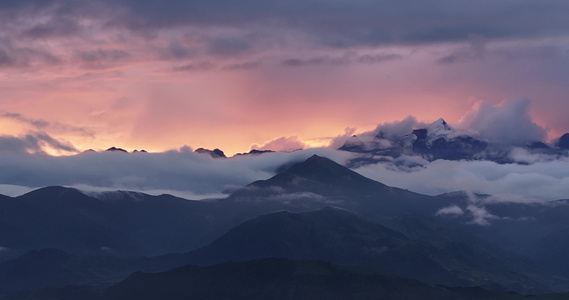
159	75
175	75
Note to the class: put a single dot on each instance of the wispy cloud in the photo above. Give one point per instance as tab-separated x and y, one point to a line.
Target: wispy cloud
33	143
250	65
201	66
348	58
43	125
450	210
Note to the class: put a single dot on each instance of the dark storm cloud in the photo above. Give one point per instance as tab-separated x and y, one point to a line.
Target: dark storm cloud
340	23
347	23
17	4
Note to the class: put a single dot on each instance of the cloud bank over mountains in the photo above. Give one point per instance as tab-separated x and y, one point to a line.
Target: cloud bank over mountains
539	181
507	123
180	172
532	176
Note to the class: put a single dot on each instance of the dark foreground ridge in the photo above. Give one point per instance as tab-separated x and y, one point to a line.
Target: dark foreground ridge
271	279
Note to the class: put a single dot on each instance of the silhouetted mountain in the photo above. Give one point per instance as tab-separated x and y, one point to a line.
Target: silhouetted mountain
51	267
563	142
435	255
319	182
535	230
255	152
538	145
124	223
115	149
272	279
326	234
215	153
282	279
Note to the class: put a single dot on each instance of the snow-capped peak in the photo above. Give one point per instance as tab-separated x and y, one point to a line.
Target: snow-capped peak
439	126
437	129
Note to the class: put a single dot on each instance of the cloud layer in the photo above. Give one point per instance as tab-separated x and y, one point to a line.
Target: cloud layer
505	124
539	181
180	172
508	123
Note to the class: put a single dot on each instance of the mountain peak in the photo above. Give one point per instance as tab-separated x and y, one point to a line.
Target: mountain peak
53	190
317	163
254	152
116	149
326	171
563	141
316	176
438	127
215	153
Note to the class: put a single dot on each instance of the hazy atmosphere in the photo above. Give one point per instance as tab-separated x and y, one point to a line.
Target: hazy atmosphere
160	75
284	149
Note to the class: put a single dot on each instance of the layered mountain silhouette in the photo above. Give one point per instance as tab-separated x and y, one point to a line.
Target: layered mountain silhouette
312	210
124	223
341	237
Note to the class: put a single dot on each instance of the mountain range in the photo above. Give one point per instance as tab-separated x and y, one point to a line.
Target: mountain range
439	140
58	241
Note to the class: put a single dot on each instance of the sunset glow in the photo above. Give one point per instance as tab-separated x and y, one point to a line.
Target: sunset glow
140	76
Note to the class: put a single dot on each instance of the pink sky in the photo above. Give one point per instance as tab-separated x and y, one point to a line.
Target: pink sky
140	77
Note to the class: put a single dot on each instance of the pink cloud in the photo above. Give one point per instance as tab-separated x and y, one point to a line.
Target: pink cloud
290	143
